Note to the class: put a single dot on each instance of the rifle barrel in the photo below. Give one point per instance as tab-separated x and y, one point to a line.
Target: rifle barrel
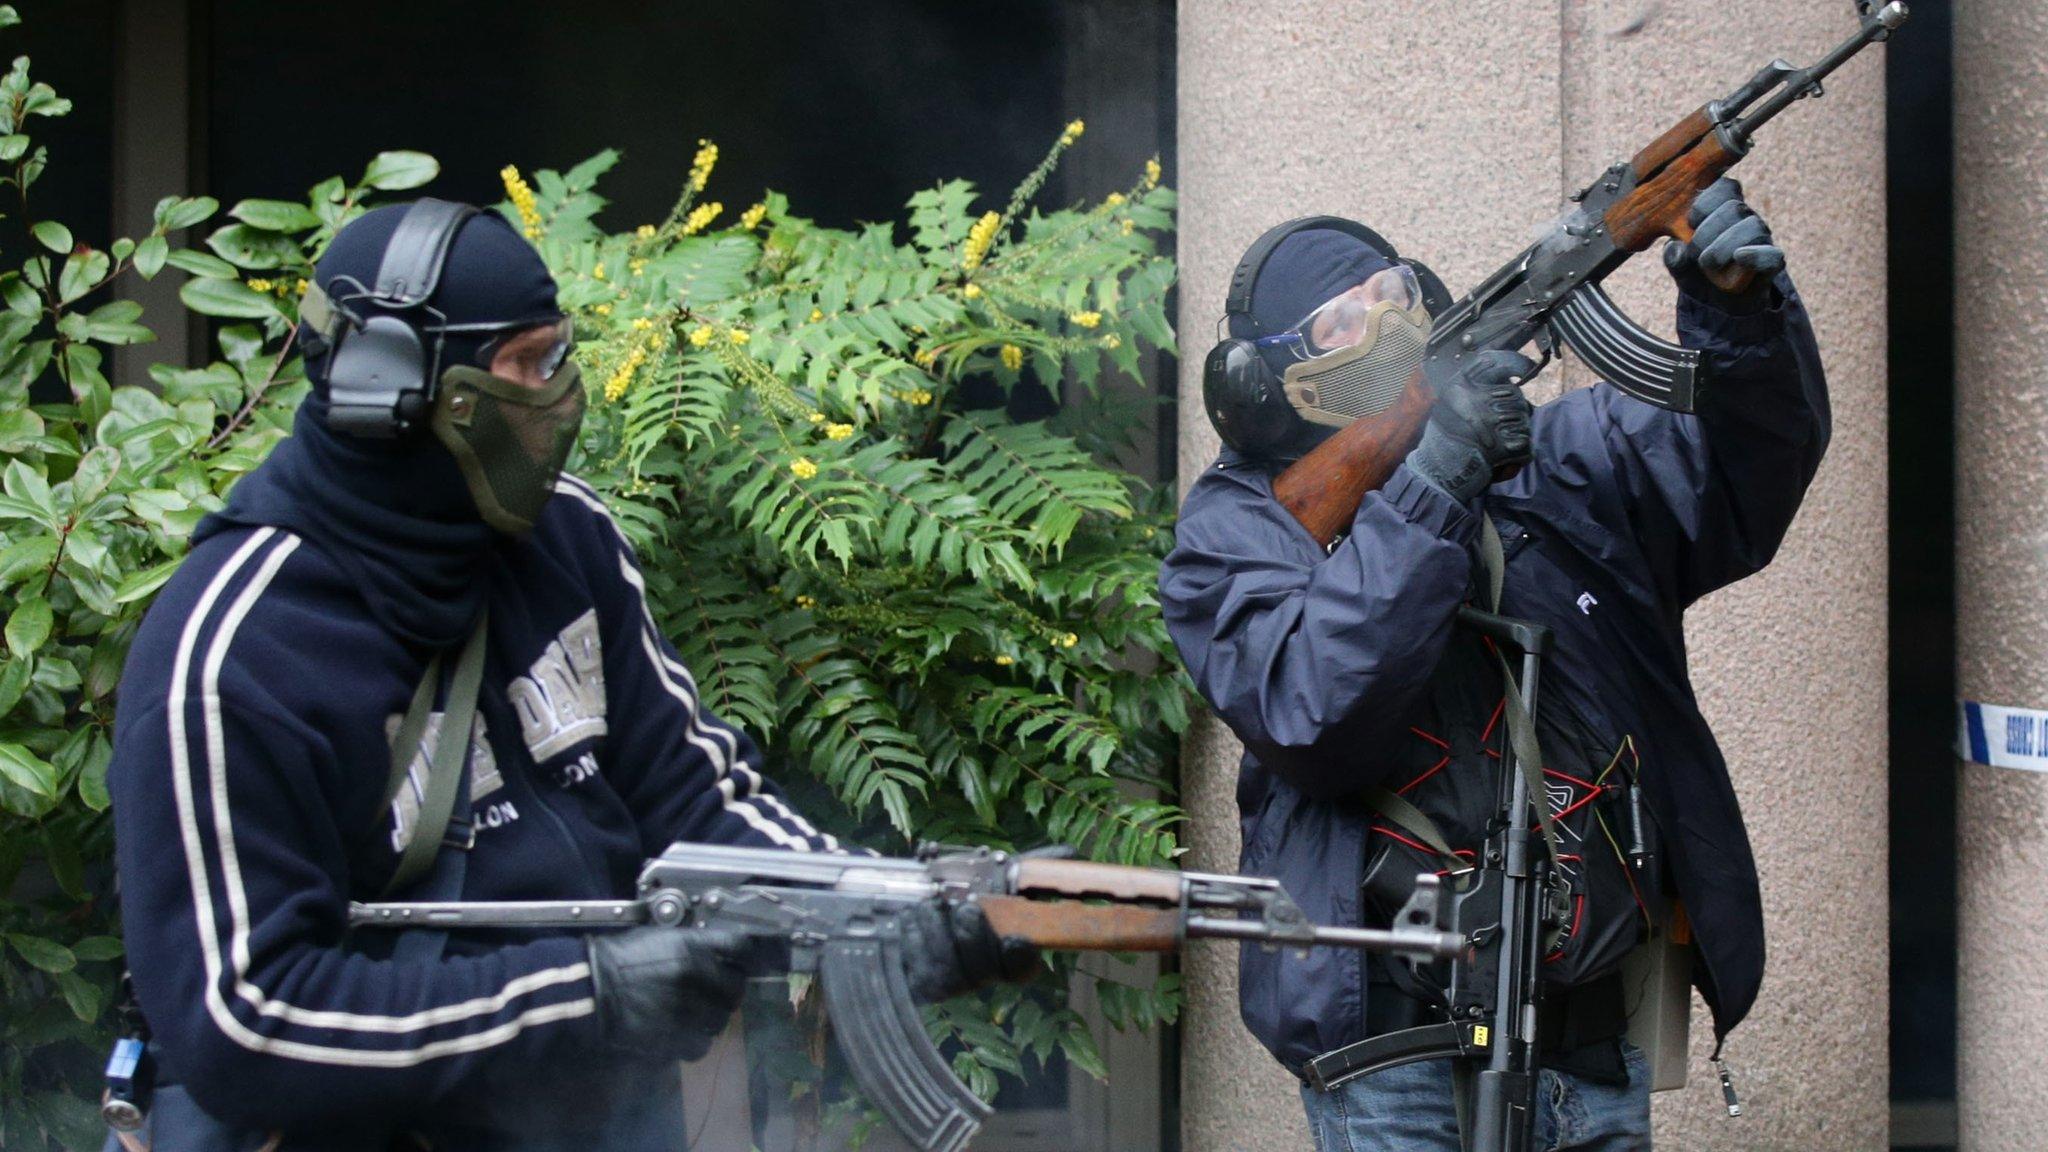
1806	81
1429	941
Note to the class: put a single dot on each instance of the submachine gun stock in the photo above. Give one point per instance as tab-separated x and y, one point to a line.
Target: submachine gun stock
842	917
1550	293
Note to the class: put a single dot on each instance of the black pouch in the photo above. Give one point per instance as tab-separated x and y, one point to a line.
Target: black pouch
1455	783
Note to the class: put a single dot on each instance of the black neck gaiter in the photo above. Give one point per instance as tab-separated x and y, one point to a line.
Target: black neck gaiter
394	514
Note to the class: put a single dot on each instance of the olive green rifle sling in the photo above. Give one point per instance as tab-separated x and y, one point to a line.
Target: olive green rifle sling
450	759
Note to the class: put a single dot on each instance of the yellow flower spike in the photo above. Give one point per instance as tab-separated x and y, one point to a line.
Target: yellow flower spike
1128	226
523	201
739	336
838	431
1112	340
1073	131
807	602
980	238
972	291
927	358
700	216
644	232
701	166
1005	661
1086	319
1152	172
817	417
752	217
1114	199
817	314
1012	356
802	468
258	285
602	309
700	336
302	286
1069	640
597	273
921	396
642	323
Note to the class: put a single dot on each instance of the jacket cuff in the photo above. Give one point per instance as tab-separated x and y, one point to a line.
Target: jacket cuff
1706	319
1425	505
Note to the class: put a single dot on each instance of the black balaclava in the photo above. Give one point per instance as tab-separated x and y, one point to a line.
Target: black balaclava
1302	272
396	514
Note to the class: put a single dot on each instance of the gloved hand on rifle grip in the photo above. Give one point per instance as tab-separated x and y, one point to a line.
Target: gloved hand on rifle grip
950	949
1727	233
667	993
1478	426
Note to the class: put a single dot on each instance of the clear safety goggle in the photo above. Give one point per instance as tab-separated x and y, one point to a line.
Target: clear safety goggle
541	359
1340	321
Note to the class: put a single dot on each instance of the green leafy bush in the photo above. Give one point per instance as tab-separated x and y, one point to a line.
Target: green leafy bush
938	620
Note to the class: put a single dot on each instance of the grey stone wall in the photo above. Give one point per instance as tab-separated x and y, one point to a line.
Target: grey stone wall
2001	182
1456	127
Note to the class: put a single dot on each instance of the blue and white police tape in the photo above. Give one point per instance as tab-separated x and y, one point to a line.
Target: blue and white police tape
2002	737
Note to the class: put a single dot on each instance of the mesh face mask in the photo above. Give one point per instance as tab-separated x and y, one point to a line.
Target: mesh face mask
1357	351
510	439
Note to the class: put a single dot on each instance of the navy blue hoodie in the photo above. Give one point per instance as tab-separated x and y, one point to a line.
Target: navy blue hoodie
252	750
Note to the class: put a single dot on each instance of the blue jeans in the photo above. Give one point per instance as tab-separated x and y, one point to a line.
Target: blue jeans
1409	1109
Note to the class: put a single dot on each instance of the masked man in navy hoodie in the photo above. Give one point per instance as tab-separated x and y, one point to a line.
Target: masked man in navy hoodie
1343	673
419	504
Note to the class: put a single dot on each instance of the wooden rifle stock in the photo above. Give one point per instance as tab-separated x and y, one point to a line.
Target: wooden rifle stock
1673	172
1324	488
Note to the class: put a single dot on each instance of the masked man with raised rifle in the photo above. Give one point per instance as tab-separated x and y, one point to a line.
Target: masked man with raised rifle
412	562
1353	692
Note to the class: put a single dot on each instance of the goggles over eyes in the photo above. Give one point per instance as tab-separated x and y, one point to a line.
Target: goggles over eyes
1343	320
540	359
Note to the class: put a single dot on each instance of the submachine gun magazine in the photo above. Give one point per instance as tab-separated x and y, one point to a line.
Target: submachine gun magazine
842	917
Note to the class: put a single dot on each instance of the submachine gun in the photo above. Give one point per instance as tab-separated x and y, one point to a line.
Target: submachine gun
1549	294
842	917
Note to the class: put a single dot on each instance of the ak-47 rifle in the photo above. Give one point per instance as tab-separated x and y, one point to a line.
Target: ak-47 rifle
842	917
1549	294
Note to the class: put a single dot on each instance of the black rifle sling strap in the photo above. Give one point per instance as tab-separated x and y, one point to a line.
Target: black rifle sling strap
449	761
1521	735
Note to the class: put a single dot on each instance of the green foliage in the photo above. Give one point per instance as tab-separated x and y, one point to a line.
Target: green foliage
100	486
939	621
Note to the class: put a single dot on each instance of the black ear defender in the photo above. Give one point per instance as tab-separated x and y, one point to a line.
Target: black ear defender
1242	395
381	370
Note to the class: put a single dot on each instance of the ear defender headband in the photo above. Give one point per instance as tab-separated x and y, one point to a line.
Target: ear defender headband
381	373
1244	398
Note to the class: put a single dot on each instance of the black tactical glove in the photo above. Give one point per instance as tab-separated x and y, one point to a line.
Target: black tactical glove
666	993
1726	232
1479	423
949	949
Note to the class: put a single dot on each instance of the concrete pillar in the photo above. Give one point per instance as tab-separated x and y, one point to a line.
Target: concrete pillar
1455	127
2001	186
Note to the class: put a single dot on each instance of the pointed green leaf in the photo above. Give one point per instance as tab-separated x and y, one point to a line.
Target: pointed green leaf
28	626
47	955
397	171
149	256
229	298
52	235
275	215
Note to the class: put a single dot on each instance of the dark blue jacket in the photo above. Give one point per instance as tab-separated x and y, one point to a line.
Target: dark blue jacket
251	757
1626	515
